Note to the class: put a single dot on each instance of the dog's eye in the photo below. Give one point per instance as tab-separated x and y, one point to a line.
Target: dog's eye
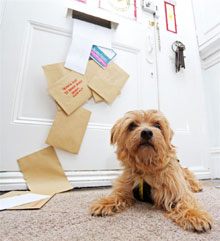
132	126
157	125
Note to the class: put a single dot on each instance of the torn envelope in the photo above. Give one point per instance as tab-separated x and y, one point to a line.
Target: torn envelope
20	200
67	131
43	172
71	91
109	82
32	205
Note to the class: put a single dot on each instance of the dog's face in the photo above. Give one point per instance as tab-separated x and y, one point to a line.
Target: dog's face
144	136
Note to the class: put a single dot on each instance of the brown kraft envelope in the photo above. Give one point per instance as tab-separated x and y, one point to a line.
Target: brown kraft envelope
43	172
71	91
67	132
91	71
32	205
56	71
53	73
108	82
96	97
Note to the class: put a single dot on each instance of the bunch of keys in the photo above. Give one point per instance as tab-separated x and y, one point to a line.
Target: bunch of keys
178	48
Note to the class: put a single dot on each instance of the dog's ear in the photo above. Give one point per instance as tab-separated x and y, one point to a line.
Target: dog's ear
115	132
168	133
171	133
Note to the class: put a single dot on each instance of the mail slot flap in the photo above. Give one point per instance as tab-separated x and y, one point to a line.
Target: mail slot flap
91	14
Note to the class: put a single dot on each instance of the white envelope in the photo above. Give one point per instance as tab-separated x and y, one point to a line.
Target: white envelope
83	37
10	202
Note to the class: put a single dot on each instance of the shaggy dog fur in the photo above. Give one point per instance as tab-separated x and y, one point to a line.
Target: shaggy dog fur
144	148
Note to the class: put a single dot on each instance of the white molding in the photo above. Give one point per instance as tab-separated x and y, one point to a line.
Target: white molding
215	161
210	52
215	150
211	60
15	180
17	117
22	74
2	9
49	122
201	172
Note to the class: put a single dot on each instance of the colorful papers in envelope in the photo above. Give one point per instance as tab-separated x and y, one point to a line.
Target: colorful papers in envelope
102	56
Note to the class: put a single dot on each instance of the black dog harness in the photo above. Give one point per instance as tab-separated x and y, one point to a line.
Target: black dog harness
142	192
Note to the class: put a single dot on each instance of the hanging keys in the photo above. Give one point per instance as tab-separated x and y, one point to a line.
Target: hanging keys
178	47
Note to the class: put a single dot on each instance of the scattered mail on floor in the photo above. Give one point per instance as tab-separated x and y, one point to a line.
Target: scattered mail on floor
30	205
43	172
18	200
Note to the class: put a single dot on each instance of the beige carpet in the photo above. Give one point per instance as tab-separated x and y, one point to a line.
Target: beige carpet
66	217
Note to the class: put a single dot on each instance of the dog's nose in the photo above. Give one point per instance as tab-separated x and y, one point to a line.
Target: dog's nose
146	134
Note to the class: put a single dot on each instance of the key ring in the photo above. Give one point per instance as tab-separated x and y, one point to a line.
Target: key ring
178	44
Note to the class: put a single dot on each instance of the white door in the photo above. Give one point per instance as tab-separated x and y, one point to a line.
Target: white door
36	33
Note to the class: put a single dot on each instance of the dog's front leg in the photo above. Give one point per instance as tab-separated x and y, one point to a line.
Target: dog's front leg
120	198
190	215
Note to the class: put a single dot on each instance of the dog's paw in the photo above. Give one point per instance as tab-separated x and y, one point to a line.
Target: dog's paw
196	187
102	207
198	221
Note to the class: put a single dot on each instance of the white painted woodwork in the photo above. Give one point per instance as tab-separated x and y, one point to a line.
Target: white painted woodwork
181	94
207	20
36	33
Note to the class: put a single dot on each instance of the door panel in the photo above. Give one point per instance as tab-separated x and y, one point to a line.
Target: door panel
37	33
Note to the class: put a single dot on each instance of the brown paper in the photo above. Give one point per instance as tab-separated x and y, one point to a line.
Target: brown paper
91	71
43	172
32	205
97	98
71	91
67	131
53	73
108	82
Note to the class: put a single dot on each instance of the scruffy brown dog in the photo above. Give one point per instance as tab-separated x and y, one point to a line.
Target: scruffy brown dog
144	148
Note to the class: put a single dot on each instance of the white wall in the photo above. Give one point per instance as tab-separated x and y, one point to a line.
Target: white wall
207	21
